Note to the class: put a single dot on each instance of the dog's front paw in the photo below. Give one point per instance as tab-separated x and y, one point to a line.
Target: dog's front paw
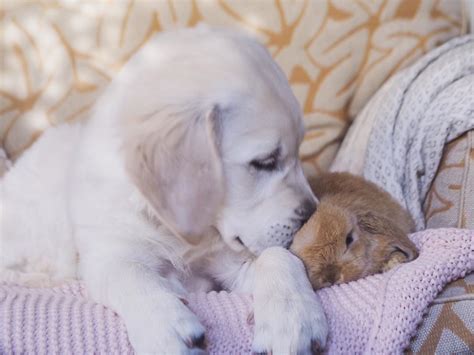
290	326
288	315
174	330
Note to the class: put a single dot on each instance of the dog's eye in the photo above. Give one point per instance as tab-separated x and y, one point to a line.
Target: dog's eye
349	239
269	163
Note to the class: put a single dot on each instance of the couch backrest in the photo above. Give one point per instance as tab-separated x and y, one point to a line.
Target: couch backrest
59	56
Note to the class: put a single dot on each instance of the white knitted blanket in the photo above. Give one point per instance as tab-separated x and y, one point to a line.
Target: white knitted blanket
397	141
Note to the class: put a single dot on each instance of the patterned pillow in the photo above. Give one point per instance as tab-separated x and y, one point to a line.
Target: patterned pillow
450	199
59	55
448	328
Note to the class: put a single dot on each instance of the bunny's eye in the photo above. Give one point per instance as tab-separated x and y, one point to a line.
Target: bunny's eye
349	239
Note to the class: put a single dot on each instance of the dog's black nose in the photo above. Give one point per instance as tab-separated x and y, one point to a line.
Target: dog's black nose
305	210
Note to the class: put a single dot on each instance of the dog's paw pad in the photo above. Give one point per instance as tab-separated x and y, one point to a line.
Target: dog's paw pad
251	319
198	341
317	346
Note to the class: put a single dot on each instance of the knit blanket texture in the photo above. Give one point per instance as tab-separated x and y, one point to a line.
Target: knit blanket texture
375	315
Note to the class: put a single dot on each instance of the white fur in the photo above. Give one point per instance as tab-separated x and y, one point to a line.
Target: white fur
123	202
289	318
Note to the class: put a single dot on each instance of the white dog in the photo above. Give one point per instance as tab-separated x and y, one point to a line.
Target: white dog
186	177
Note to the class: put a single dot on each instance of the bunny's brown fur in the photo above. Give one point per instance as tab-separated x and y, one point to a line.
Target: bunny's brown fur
357	230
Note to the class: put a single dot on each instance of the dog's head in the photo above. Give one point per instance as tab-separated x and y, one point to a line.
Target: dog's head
211	136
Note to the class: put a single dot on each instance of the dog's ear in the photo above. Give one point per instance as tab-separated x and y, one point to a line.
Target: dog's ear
174	160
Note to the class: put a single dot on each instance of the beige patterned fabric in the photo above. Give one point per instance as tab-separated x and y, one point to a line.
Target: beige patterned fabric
450	200
448	327
57	56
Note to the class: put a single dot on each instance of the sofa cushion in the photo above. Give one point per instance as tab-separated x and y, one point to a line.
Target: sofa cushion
448	327
59	56
450	199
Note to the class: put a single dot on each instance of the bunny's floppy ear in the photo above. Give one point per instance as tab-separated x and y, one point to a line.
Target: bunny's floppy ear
387	237
172	155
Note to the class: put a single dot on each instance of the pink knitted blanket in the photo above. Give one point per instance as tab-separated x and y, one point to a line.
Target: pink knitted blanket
376	315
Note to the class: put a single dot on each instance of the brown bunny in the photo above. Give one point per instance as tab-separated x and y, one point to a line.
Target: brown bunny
357	230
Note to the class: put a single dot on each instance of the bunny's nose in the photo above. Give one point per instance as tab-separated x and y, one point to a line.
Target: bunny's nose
331	274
